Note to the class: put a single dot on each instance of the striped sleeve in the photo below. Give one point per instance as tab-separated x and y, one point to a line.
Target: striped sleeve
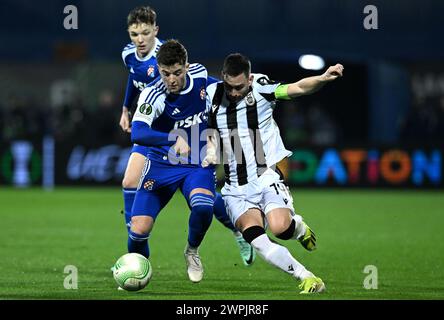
198	71
265	86
150	105
129	49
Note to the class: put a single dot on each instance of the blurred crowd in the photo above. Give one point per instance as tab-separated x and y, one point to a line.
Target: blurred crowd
425	121
22	118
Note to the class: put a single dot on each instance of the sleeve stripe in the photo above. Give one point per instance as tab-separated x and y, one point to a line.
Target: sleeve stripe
153	92
197	70
126	53
200	74
129	47
196	66
154	97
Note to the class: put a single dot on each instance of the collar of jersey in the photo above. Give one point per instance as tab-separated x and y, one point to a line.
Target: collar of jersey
150	54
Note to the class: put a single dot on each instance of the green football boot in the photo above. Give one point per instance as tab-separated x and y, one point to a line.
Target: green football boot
312	285
308	240
246	251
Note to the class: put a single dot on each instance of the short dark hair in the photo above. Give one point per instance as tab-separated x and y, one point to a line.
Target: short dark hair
235	64
142	14
172	52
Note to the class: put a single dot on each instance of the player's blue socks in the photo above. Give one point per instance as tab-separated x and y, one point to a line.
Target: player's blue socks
138	243
200	218
220	212
128	199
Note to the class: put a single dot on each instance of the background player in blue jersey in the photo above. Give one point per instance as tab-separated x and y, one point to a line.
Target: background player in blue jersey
170	116
140	59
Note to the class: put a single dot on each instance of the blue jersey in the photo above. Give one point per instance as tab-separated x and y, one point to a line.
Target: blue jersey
183	113
142	71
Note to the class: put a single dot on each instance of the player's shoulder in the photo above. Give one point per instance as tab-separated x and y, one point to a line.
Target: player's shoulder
211	89
197	70
260	79
128	51
154	93
263	84
158	43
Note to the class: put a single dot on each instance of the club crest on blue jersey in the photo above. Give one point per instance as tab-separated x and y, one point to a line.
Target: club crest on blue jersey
203	93
149	184
150	71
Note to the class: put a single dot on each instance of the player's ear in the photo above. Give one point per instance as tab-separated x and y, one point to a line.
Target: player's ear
156	30
250	79
187	66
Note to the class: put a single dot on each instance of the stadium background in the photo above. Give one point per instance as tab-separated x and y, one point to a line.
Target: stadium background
379	127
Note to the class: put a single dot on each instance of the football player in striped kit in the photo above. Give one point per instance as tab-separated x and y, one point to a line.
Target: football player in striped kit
139	58
240	112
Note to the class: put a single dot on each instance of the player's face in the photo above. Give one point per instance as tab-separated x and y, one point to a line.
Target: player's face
143	36
174	77
237	87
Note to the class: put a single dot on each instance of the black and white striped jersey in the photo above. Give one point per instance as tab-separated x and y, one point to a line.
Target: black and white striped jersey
248	137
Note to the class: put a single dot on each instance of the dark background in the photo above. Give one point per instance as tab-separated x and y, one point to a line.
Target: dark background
69	84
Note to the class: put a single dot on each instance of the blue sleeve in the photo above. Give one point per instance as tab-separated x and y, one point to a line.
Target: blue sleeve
130	93
141	133
211	80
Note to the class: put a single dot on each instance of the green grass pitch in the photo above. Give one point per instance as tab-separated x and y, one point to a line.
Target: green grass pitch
399	232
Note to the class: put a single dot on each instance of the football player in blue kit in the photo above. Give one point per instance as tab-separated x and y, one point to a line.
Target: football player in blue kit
170	119
140	59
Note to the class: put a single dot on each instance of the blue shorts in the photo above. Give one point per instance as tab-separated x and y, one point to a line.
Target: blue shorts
160	181
140	149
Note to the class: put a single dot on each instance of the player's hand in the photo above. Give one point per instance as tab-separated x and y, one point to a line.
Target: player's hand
333	72
125	120
181	147
211	158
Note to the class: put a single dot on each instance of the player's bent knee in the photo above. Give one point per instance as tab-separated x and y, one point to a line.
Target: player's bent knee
142	224
279	222
130	182
288	233
252	233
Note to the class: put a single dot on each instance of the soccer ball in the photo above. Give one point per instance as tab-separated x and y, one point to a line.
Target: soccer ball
132	271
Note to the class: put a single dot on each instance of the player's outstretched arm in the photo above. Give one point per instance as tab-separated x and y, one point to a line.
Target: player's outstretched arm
312	84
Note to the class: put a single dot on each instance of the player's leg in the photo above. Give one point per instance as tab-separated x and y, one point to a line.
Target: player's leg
131	179
147	206
277	204
286	225
199	193
252	226
246	250
250	220
151	197
283	222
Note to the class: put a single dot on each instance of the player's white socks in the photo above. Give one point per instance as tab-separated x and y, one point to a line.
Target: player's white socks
279	257
299	227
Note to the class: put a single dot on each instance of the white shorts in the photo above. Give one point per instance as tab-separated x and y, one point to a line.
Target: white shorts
267	193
